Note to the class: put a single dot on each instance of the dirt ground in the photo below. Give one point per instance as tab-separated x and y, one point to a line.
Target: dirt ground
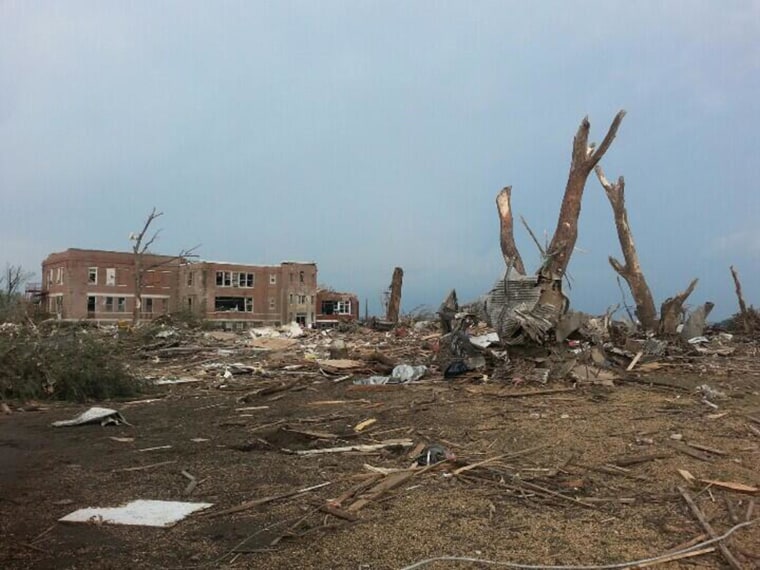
575	496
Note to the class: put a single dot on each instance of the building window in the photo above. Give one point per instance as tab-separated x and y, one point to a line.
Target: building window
111	276
149	305
50	276
121	304
92	275
290	299
300	276
189	303
59	275
302	299
234	279
272	305
90	304
336	307
272	279
189	278
239	304
109	304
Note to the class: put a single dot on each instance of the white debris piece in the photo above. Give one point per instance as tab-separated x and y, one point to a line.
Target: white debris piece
164	381
138	513
293	330
103	416
406	373
485	340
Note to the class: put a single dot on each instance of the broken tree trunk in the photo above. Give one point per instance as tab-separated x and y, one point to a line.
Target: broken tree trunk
671	311
535	314
584	159
631	271
743	313
449	308
394	303
552	302
695	324
508	246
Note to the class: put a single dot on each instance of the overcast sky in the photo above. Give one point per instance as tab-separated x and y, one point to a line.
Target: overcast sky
365	135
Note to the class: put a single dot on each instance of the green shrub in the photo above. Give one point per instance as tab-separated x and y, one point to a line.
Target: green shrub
65	364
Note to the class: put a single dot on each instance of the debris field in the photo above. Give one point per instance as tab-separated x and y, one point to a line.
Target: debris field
583	453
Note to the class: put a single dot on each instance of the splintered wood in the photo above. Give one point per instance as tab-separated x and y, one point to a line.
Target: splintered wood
361	448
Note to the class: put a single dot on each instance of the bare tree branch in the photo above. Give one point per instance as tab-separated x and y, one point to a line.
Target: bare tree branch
532	235
599	152
139	250
743	313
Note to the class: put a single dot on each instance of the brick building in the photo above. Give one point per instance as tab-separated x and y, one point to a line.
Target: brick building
246	294
91	284
334	307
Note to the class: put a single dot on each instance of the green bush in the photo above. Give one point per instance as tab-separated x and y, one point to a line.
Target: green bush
65	364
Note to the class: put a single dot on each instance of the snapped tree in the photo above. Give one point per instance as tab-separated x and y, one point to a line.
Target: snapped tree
551	303
141	248
671	311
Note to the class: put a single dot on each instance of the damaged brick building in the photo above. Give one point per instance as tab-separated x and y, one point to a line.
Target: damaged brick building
100	285
334	307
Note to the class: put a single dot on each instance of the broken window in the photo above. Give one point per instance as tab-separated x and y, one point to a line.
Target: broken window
272	279
148	305
59	304
121	304
109	304
92	275
234	279
224	279
189	278
190	303
111	276
90	304
300	276
336	307
242	304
